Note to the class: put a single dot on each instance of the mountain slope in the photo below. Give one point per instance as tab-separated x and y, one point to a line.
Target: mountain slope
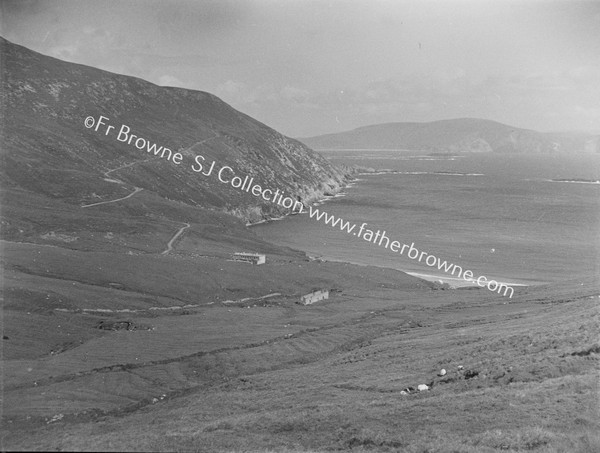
455	136
47	149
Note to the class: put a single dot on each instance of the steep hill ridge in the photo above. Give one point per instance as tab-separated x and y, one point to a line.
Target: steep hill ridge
48	150
461	135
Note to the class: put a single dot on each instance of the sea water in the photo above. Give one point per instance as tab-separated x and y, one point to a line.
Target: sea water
525	219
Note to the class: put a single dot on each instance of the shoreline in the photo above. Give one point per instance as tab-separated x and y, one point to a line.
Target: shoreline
340	193
439	279
454	282
458	282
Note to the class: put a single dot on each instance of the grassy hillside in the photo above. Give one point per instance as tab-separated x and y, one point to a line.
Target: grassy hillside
456	136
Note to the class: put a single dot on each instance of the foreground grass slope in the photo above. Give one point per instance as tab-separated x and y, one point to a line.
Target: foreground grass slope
330	377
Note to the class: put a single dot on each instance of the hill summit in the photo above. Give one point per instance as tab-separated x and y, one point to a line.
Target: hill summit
463	135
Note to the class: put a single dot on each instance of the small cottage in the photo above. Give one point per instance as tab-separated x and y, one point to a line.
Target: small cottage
314	296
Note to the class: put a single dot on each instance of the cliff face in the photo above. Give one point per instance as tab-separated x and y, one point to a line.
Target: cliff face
464	135
48	150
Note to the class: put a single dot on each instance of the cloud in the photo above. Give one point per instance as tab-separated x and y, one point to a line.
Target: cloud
241	94
169	80
203	17
297	95
64	52
233	91
93	46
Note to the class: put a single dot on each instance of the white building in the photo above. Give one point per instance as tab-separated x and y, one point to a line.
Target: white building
252	258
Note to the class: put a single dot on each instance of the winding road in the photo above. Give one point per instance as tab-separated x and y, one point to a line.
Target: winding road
118	181
200	142
137	189
174	238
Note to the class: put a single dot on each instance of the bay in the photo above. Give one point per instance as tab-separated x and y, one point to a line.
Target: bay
523	219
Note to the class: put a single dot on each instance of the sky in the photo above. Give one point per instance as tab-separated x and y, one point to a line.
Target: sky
310	67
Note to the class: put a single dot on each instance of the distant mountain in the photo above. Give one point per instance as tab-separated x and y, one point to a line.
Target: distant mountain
465	135
47	149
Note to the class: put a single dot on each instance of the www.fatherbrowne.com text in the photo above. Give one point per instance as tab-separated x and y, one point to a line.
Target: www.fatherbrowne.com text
381	239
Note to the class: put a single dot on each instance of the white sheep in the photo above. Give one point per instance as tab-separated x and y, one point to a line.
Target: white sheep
422	387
